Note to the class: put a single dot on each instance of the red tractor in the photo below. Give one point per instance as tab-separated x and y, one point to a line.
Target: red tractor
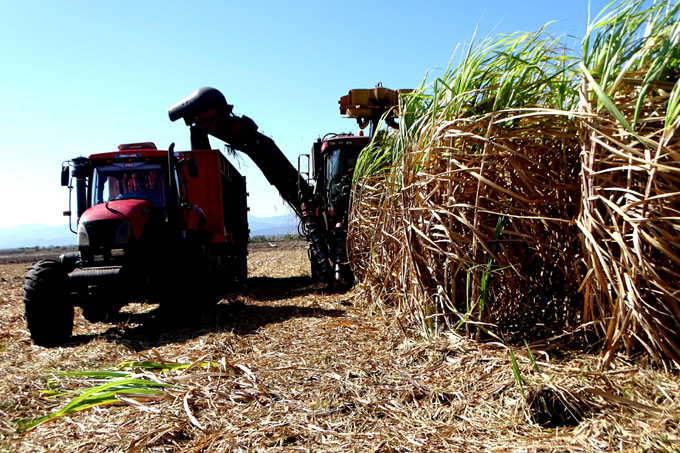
330	170
152	225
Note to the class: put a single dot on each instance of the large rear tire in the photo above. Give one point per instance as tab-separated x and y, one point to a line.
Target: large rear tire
48	310
241	269
185	292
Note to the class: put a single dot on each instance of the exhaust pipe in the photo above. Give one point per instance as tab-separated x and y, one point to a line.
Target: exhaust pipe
172	192
82	170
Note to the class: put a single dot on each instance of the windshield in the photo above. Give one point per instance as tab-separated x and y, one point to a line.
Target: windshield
130	180
341	163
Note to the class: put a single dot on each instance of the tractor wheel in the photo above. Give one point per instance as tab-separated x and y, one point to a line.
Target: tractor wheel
241	269
185	289
315	269
219	278
179	300
48	310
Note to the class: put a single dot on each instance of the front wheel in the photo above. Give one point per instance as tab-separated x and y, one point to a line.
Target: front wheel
48	310
241	269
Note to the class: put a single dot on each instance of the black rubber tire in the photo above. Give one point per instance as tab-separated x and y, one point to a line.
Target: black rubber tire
316	270
48	310
182	295
241	269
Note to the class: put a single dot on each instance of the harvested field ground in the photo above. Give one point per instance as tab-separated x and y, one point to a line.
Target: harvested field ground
299	367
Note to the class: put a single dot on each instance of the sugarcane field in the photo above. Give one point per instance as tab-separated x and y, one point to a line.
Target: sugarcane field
500	271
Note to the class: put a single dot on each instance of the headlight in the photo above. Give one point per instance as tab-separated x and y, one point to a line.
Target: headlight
123	233
83	238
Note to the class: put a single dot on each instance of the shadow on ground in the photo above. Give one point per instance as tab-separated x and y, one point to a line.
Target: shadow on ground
232	314
271	289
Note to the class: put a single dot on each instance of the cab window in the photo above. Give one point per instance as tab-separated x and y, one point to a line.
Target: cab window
130	180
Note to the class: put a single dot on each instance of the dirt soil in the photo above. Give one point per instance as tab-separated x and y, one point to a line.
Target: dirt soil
289	365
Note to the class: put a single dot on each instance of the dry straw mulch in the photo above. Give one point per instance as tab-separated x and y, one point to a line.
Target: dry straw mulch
298	368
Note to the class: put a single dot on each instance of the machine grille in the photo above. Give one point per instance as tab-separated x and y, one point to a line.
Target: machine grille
102	232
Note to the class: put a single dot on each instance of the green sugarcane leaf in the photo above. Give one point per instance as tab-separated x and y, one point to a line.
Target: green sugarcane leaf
605	100
516	372
133	382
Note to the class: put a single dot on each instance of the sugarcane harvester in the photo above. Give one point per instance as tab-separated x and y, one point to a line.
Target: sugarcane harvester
331	166
319	196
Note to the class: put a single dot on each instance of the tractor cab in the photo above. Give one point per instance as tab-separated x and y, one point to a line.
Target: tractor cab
137	171
130	180
335	157
124	200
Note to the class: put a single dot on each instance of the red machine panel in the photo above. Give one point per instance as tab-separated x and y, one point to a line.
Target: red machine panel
220	191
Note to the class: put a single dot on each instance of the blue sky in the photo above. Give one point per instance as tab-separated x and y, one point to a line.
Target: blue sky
81	77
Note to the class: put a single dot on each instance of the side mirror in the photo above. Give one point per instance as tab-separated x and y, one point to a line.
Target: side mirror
192	166
65	175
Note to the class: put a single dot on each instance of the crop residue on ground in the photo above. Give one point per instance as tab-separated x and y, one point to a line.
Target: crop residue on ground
298	367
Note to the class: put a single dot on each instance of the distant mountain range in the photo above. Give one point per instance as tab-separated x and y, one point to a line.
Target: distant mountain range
47	235
36	235
272	226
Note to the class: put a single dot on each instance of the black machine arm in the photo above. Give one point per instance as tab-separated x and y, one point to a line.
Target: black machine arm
207	112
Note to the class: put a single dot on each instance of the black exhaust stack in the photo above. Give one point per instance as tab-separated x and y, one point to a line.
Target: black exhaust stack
172	191
82	170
